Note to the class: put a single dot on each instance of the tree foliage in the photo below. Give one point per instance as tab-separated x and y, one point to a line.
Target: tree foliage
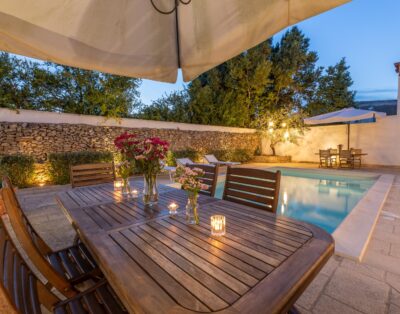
171	107
333	92
46	86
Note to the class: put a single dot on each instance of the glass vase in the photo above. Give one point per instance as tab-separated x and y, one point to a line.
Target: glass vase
192	206
150	191
126	187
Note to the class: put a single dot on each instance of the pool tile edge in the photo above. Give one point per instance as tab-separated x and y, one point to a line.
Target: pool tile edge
353	234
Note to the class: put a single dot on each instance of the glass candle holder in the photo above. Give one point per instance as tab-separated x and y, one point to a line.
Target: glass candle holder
117	185
218	225
173	208
134	193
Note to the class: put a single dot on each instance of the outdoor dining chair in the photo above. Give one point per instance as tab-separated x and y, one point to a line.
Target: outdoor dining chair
333	156
213	160
324	158
253	187
91	174
356	153
346	159
64	268
25	293
210	177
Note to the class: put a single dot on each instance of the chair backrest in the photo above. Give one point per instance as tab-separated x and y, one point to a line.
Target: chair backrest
210	177
333	151
323	153
36	238
356	151
211	158
90	174
22	289
184	161
253	187
55	278
345	154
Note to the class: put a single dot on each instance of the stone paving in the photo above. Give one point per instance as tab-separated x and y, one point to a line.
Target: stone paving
343	286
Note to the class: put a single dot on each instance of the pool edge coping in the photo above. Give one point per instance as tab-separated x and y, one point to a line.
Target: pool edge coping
362	219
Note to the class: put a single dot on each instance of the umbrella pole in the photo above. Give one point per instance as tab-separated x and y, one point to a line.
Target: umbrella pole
348	136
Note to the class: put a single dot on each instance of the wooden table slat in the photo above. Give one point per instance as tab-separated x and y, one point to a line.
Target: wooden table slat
200	256
203	243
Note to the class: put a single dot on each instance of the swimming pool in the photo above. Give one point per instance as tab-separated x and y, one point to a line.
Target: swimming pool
316	197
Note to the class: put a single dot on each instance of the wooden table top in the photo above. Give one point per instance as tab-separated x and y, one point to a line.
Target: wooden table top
159	264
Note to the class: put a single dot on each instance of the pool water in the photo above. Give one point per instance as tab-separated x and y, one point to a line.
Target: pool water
317	198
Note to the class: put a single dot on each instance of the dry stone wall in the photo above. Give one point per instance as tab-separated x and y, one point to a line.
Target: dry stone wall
40	139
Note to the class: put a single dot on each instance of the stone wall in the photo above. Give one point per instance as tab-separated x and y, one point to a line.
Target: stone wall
40	139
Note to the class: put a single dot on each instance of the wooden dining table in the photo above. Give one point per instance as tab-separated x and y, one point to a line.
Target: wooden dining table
157	263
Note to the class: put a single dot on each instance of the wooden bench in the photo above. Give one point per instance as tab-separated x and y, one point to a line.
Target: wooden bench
91	174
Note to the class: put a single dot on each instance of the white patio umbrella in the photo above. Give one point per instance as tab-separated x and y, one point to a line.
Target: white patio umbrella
134	38
345	116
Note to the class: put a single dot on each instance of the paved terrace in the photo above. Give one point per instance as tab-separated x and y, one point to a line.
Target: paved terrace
343	286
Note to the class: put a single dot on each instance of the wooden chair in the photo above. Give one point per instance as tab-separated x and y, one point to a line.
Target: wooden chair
25	293
324	158
356	153
346	159
333	156
91	174
210	177
253	187
64	268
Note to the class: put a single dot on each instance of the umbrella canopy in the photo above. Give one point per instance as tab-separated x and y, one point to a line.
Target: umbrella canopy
346	115
131	38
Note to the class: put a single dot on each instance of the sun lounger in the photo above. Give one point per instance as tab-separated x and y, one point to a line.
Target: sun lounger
213	160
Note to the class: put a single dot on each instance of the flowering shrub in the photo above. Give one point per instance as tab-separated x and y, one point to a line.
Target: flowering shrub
146	154
190	178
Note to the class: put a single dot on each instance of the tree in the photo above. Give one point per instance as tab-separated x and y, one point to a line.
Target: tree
294	72
172	107
15	82
334	90
281	125
47	86
231	93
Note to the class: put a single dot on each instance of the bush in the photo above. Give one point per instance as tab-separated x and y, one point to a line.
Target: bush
192	154
239	155
61	162
19	168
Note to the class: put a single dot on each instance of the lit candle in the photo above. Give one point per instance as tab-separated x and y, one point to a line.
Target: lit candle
134	193
173	208
217	225
117	185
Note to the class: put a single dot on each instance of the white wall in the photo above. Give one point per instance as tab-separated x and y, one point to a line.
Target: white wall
32	116
380	140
